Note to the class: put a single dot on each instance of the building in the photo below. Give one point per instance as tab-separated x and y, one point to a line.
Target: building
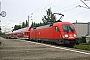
81	28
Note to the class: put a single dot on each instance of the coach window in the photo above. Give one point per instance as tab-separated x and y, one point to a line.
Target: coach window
57	29
26	33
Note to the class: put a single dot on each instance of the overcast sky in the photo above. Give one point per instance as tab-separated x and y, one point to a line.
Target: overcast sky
18	10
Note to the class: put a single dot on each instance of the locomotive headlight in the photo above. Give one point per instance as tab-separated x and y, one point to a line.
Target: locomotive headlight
66	35
75	35
63	36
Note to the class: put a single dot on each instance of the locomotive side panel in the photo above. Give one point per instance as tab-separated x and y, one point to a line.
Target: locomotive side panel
46	33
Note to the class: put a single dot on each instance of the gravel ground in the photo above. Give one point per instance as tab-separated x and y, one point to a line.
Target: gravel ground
15	49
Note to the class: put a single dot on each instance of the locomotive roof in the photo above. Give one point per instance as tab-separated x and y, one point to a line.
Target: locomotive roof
62	22
8	33
45	26
21	30
49	25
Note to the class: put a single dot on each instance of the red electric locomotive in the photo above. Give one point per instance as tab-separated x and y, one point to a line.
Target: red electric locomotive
58	32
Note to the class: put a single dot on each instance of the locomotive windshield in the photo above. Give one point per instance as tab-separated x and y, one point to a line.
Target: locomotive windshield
68	28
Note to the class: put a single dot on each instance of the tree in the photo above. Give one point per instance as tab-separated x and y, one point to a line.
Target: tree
32	25
23	24
26	23
41	24
16	27
19	27
49	18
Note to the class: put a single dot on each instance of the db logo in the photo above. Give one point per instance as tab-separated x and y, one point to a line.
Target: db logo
70	35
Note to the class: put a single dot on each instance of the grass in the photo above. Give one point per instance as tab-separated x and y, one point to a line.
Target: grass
83	47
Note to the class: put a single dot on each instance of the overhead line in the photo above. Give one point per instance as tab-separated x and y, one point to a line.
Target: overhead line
67	6
60	2
41	6
85	4
47	5
50	3
76	14
71	9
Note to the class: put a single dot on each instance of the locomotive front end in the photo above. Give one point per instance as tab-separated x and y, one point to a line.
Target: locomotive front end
69	34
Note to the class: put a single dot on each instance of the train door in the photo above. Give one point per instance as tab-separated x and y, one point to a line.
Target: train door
56	33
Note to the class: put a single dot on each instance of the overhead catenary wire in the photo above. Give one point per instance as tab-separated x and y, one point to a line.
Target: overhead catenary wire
85	4
61	8
71	8
66	9
67	6
50	4
41	6
47	5
87	7
76	14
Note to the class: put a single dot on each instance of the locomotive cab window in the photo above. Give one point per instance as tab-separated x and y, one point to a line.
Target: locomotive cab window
68	28
57	29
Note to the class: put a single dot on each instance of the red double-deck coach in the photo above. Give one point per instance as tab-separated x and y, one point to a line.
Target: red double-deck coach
23	33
